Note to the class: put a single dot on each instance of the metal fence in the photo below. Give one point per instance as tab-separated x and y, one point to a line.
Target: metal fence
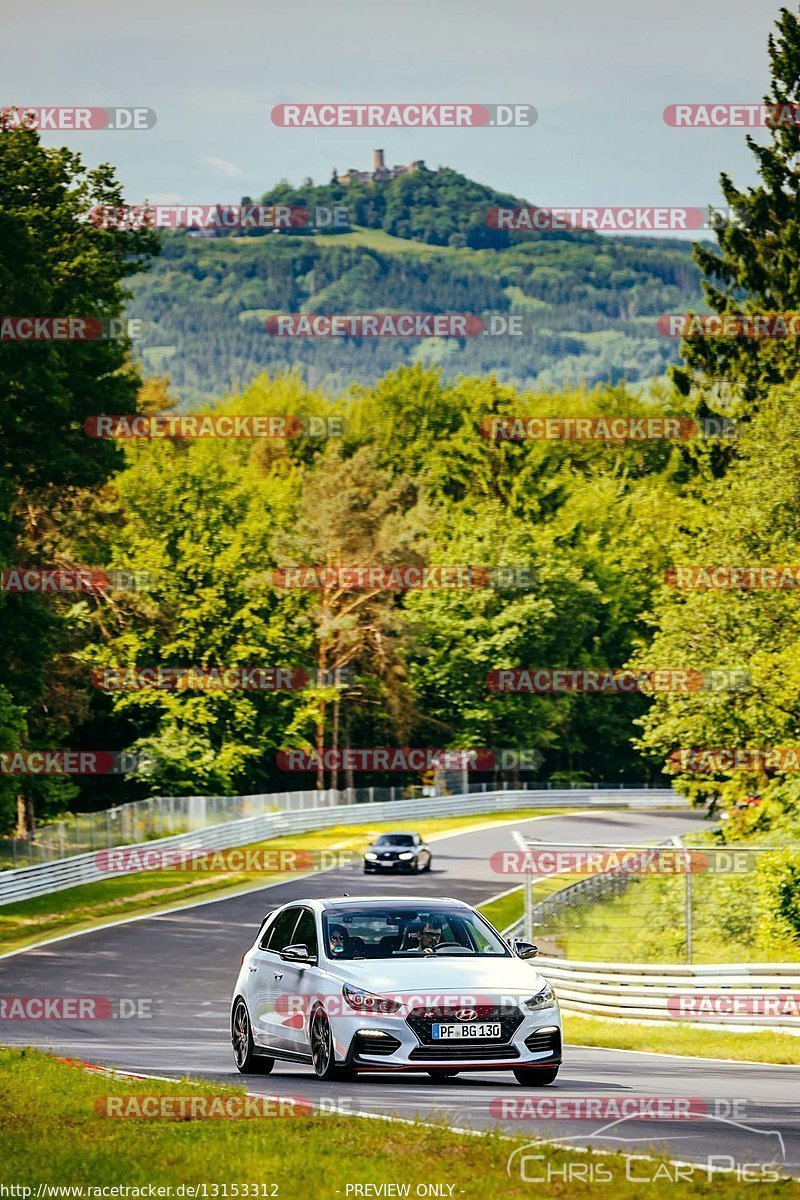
24	882
682	900
167	816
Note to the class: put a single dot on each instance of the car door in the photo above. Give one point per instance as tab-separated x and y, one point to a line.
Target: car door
265	976
300	984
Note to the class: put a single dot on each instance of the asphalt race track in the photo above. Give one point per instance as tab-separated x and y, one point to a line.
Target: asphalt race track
186	963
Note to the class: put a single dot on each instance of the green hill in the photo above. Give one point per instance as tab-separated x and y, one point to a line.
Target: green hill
418	243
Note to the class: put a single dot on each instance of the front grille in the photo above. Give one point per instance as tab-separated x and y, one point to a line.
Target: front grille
421	1021
542	1040
383	1045
462	1052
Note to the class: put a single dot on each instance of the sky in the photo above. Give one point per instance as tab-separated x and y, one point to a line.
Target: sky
599	76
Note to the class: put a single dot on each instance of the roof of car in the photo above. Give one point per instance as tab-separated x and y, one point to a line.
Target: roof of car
322	903
394	901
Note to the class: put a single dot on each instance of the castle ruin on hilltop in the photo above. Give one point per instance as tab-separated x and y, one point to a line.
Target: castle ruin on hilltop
379	173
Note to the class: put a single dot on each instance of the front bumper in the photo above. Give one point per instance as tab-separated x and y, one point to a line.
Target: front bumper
536	1040
396	864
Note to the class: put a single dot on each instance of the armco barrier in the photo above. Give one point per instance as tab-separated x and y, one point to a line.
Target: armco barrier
643	991
24	882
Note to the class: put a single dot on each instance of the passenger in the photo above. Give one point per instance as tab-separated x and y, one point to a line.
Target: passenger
336	940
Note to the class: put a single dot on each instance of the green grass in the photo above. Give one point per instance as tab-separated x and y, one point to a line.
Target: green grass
378	239
510	907
83	907
681	1038
506	909
51	1133
673	1038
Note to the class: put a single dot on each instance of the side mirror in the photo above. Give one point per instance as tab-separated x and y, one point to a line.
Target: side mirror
298	953
525	949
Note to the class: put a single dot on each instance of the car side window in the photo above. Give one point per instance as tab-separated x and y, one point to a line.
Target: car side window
306	932
281	932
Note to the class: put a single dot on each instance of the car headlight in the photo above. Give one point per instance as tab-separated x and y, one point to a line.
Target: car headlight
407	854
370	856
368	1002
546	998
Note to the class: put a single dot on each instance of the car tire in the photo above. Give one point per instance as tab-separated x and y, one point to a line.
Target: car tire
323	1058
430	860
535	1076
244	1051
438	1076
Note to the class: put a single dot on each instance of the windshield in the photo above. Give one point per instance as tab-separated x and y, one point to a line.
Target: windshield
395	839
385	931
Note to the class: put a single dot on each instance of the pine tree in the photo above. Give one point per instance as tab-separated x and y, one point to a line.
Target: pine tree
758	266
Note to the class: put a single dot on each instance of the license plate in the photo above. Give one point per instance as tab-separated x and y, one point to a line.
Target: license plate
486	1029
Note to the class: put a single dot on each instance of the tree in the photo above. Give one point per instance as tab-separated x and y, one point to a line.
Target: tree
354	514
54	262
757	268
738	522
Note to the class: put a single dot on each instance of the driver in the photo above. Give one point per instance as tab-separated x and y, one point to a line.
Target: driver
430	935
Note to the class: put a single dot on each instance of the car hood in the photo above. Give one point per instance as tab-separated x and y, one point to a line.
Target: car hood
491	976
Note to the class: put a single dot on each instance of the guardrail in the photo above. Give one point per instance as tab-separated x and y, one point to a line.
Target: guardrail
649	992
24	882
168	816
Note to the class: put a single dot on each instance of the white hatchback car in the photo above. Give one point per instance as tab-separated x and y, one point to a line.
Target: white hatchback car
392	984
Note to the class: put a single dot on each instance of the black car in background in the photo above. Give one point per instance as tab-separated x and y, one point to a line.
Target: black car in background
397	852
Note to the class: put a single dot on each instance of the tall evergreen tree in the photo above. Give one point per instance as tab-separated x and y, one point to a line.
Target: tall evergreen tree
757	268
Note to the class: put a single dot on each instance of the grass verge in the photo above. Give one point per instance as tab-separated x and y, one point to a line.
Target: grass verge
647	923
692	1040
81	908
682	1038
52	1133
